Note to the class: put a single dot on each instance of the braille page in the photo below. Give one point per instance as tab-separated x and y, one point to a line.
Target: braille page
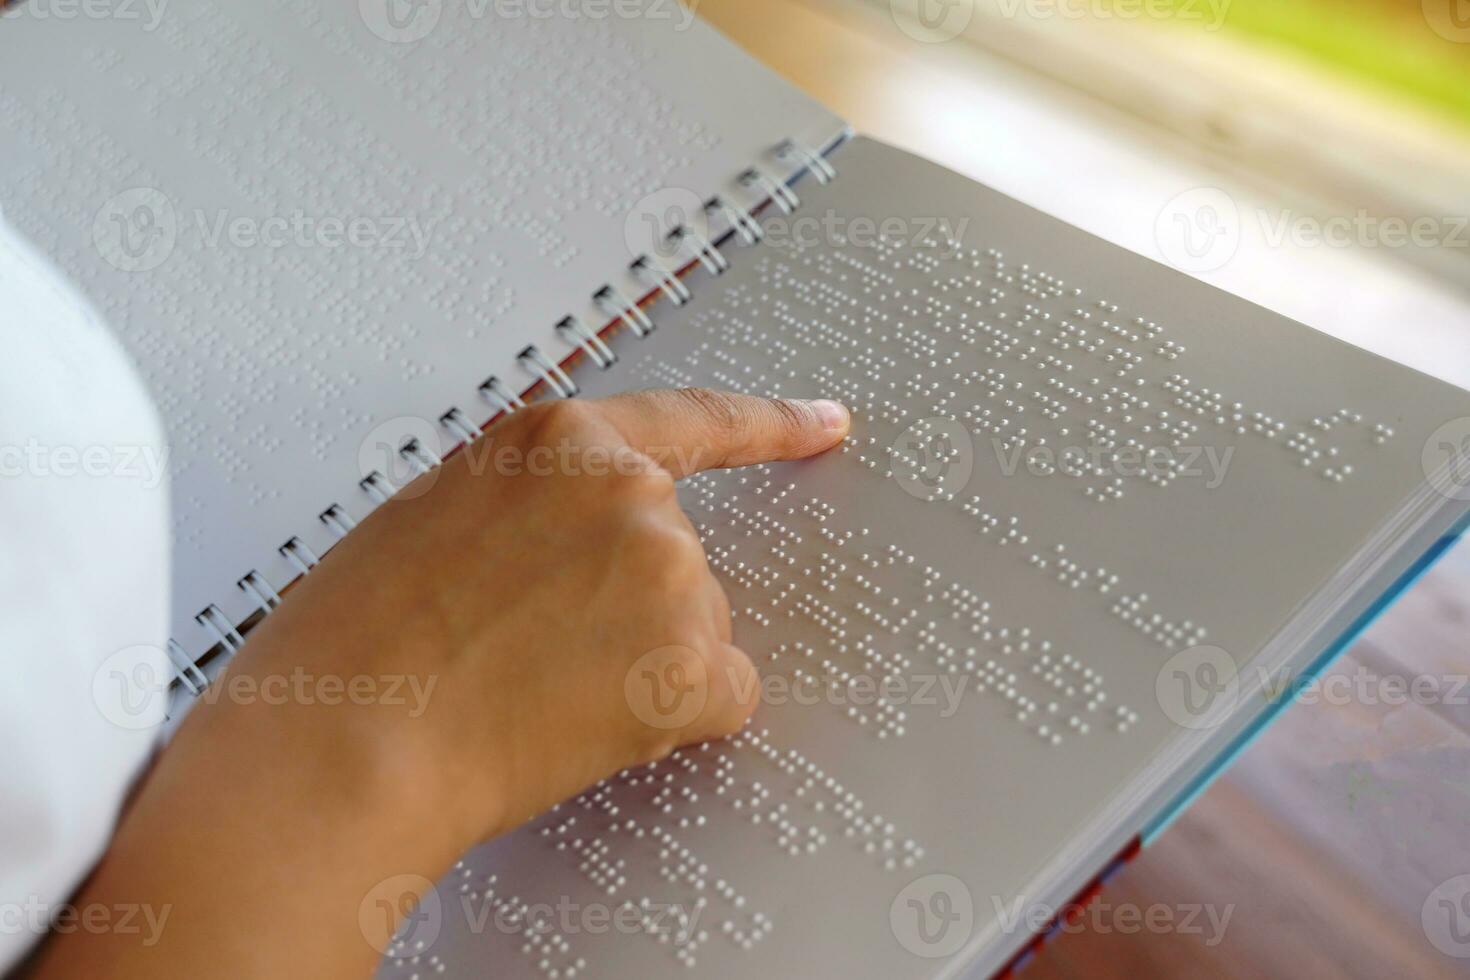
319	225
970	619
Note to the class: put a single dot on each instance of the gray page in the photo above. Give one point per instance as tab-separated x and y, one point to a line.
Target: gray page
316	225
1020	618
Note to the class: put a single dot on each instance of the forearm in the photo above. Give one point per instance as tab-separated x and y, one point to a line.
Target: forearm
253	847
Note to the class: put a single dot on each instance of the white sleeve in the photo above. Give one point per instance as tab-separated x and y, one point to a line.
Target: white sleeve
84	557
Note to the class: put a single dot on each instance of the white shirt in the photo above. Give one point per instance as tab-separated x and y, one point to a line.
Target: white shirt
84	552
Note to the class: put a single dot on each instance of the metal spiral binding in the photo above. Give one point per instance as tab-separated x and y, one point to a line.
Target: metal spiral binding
548	372
784	197
504	399
419	459
744	223
338	520
266	597
220	628
460	426
612	301
186	671
819	165
703	249
298	554
577	334
376	485
654	273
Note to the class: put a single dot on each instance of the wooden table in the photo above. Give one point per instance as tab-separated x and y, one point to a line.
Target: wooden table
1327	836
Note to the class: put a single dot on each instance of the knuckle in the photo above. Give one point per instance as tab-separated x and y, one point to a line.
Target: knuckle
644	487
667	555
549	423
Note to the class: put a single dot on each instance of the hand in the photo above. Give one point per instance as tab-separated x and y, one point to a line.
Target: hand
555	596
547	614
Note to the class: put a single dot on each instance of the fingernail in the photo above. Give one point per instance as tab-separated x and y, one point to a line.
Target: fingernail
833	415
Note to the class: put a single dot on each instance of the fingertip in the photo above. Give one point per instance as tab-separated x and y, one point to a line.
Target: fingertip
834	416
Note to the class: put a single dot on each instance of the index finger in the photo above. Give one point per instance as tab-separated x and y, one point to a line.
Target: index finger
692	429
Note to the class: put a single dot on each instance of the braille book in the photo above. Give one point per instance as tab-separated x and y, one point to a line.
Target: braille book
1094	526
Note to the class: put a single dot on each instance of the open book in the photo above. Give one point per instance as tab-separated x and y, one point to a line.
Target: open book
1096	522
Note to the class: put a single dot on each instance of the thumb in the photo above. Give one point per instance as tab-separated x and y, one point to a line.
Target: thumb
691	429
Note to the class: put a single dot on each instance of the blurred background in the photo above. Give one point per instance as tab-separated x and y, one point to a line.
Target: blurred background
1312	156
